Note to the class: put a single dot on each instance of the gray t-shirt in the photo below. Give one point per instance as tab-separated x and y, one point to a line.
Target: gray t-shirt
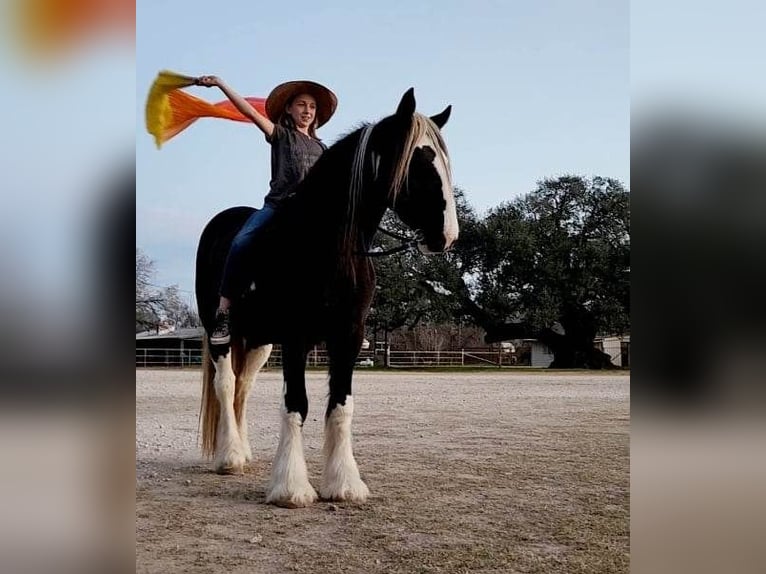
292	155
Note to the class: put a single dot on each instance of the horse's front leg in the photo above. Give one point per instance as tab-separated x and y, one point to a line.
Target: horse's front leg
340	477
290	484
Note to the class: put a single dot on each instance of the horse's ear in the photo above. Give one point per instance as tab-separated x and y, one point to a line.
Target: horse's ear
406	107
441	119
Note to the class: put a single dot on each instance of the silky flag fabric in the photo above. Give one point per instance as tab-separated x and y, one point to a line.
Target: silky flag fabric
169	110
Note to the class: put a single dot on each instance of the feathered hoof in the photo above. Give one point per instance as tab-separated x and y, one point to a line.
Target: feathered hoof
230	469
349	491
298	499
234	463
248	453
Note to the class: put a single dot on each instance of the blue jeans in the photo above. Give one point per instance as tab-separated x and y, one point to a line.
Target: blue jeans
243	253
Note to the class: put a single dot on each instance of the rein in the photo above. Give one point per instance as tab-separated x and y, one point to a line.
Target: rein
407	243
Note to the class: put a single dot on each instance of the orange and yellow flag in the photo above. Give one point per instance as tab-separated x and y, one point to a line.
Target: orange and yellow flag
169	110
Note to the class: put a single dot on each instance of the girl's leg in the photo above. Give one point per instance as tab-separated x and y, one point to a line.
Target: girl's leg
234	272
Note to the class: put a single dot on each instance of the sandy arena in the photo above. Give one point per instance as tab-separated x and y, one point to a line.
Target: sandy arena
493	471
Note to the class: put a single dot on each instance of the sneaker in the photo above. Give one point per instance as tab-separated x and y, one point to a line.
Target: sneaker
220	334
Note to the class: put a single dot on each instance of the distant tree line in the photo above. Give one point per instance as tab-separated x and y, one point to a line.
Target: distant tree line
551	265
157	306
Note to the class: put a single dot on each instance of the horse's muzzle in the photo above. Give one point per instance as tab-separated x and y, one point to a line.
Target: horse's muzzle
437	244
433	246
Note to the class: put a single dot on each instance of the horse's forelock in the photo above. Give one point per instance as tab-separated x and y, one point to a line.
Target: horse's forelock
422	129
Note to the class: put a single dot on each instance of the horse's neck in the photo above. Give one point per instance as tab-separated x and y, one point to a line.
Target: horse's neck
324	204
373	215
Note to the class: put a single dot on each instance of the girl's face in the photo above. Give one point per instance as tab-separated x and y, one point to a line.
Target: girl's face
303	110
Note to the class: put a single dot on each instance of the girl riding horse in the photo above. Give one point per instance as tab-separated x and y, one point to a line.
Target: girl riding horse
295	110
319	288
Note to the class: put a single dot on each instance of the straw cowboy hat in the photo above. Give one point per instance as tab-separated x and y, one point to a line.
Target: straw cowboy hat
279	96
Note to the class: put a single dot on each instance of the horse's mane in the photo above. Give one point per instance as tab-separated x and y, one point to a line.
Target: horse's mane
421	128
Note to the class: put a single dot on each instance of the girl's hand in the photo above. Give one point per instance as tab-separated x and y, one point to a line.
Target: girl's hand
207	81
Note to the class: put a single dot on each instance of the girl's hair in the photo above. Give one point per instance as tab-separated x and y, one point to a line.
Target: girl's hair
286	119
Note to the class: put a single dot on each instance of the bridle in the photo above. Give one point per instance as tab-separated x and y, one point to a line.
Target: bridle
407	243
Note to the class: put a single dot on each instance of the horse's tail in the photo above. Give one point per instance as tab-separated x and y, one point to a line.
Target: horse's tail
210	410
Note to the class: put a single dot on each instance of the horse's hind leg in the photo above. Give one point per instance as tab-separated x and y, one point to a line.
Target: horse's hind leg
253	361
229	452
340	477
290	484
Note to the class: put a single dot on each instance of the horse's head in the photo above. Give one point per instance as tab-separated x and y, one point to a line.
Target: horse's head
413	153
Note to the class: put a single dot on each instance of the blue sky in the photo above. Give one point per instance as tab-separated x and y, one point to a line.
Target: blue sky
538	89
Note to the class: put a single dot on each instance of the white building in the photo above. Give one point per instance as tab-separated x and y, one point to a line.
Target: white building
617	347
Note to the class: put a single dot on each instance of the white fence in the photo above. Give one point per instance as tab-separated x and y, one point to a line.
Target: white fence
318	358
460	358
168	357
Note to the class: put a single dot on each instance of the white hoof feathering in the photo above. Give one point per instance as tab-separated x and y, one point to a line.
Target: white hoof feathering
247	451
254	361
230	462
290	484
244	440
340	478
230	455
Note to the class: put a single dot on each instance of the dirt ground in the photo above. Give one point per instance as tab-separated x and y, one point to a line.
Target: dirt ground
468	472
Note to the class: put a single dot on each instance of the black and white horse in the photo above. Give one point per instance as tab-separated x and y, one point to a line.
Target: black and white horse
315	284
